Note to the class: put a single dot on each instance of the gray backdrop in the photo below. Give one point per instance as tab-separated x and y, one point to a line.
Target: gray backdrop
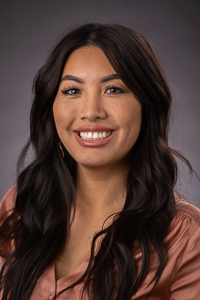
28	30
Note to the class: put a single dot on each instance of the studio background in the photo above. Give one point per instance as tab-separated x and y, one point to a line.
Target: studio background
29	29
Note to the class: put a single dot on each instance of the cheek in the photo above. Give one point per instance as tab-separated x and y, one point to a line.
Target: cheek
56	112
130	116
63	115
58	117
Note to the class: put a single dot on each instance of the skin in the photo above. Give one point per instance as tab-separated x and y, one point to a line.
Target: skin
93	102
101	171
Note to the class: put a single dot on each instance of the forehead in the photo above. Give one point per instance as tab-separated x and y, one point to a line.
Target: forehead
88	59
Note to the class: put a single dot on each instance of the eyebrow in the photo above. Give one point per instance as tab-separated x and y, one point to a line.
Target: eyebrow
71	77
109	77
79	80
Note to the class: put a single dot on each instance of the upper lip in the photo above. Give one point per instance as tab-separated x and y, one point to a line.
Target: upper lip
93	128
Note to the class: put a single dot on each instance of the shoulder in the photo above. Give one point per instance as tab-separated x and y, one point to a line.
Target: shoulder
184	251
185	208
186	211
185	224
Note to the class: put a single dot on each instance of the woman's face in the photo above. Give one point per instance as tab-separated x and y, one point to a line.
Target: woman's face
98	119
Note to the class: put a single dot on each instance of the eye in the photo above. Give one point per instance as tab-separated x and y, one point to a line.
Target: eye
70	91
114	90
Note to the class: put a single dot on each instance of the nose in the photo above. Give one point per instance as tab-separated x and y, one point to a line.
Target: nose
92	108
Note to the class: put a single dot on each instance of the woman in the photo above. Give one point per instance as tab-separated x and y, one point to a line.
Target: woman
94	215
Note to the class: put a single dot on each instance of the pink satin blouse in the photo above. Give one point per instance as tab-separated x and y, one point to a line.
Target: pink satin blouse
180	279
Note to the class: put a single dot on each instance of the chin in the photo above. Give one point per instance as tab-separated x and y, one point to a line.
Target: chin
92	164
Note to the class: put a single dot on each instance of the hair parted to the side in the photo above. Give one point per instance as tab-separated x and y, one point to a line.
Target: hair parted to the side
40	222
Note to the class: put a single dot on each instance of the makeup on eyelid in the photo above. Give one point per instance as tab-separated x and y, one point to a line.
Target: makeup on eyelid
119	90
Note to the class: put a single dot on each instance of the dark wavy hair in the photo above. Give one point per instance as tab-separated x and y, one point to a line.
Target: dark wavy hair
39	224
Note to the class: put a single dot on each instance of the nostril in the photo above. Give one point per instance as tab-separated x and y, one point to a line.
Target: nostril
93	115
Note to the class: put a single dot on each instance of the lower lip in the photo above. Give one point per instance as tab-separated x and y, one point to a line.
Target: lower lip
94	143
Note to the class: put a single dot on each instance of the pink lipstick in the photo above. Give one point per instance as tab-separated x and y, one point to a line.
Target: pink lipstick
94	135
93	128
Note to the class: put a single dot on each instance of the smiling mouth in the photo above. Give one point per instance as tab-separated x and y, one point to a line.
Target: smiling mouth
93	136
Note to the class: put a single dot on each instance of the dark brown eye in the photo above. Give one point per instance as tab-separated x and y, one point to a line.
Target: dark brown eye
71	91
114	90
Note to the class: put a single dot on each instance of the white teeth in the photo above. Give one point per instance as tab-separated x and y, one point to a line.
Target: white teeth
94	135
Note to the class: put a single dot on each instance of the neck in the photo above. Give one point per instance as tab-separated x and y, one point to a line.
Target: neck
101	191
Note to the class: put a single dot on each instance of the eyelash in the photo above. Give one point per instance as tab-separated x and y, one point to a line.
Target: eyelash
67	91
119	89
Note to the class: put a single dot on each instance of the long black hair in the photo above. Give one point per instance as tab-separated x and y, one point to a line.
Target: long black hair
39	224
